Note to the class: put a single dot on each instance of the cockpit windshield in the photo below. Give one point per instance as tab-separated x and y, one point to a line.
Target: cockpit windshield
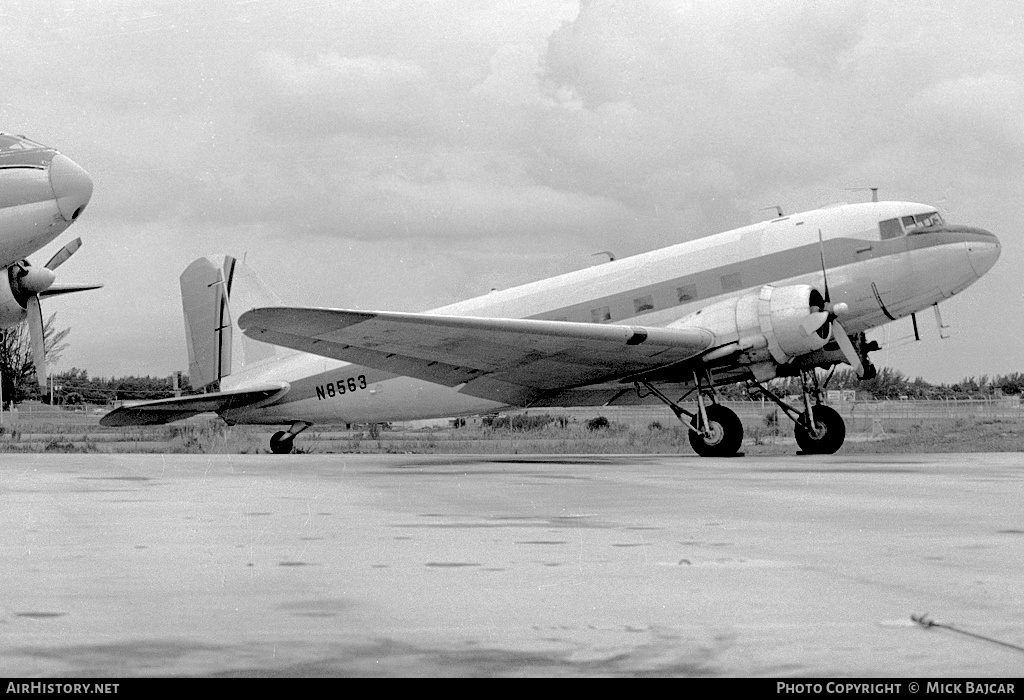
909	225
18	152
921	221
10	143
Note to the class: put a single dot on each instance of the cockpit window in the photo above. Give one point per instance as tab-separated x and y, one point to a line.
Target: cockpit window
17	143
890	228
909	225
922	221
18	152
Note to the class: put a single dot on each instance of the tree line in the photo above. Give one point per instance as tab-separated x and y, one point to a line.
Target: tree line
18	380
891	384
75	387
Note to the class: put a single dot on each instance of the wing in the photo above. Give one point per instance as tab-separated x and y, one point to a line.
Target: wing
169	410
509	360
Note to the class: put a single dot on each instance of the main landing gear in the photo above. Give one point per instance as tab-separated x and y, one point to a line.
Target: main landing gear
283	441
818	429
715	431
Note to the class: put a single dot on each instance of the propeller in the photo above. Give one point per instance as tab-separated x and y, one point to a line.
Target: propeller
63	254
28	284
816	322
35	333
834	311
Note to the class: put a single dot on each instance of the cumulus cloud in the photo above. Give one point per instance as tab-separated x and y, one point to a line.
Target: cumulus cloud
334	93
974	117
513	78
506	140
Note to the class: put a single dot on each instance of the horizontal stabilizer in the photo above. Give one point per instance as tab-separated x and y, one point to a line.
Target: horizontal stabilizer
164	411
502	359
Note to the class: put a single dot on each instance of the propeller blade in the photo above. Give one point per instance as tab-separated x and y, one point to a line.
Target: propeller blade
821	254
35	331
839	333
63	254
814	321
55	289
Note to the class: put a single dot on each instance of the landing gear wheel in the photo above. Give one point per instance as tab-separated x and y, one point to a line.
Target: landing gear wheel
282	443
830	428
725	433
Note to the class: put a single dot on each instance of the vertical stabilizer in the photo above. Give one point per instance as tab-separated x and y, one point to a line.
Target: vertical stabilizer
215	291
205	289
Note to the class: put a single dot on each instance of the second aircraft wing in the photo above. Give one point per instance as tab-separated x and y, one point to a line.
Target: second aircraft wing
508	360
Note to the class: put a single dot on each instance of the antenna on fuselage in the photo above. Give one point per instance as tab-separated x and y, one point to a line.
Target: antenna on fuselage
776	207
610	254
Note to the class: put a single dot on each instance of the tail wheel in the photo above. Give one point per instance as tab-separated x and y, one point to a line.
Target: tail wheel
282	443
830	429
724	436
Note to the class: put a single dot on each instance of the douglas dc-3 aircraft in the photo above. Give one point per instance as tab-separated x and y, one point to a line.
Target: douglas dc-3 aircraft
778	298
41	193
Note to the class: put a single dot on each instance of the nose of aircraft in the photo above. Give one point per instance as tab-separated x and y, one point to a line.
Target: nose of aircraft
983	254
71	185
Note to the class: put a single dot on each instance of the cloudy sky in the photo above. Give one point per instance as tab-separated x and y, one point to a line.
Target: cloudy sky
405	154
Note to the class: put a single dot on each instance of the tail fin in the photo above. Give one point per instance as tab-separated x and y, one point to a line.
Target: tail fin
214	292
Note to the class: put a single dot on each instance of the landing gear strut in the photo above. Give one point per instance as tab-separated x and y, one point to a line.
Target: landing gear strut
715	431
819	429
283	441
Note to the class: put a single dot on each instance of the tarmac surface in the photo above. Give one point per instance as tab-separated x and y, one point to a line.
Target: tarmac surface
416	565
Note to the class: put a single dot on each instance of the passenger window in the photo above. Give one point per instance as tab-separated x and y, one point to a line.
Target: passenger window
730	283
645	303
687	293
890	228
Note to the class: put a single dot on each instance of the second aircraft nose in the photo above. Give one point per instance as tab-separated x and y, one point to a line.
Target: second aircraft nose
71	185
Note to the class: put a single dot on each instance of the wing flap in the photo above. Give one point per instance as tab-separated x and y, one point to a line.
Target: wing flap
510	360
164	411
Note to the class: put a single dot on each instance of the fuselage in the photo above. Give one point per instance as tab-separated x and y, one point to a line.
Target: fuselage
41	193
884	260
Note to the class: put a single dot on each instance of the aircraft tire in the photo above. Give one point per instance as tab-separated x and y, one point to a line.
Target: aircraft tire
831	428
726	433
281	443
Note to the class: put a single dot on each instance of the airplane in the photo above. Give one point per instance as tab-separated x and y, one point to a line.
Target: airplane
42	193
778	298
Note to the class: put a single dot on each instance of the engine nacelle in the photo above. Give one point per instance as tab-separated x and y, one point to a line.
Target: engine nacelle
11	310
780	322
